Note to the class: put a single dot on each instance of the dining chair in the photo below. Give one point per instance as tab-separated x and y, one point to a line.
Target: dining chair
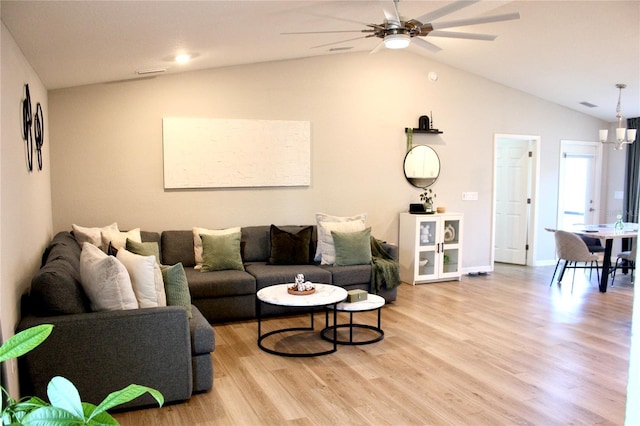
626	261
571	249
593	244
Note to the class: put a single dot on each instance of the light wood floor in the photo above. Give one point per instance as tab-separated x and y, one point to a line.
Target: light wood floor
494	350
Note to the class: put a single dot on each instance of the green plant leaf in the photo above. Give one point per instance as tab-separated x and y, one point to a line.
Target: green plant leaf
63	394
24	341
99	419
127	394
51	416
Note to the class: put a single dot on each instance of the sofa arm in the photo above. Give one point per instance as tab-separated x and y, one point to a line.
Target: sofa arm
101	352
391	249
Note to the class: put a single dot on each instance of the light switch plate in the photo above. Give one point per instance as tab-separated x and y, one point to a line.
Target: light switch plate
470	196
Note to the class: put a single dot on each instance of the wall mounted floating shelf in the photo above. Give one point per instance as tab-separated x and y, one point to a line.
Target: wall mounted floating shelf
432	131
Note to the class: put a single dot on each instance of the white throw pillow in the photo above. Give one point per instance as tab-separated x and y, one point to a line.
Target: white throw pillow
91	235
324	239
328	248
144	273
118	239
197	241
105	280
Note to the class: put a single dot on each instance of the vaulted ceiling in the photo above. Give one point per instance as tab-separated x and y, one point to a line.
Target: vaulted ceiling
567	52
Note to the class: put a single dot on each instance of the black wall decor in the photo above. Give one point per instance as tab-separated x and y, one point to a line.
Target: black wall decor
36	121
26	126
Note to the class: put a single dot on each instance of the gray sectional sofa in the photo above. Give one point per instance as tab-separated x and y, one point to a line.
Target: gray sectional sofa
224	296
158	347
101	352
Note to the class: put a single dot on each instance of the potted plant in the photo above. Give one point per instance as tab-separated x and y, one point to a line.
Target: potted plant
65	407
427	199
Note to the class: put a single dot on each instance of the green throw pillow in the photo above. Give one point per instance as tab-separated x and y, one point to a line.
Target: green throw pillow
352	248
144	249
176	287
221	252
288	248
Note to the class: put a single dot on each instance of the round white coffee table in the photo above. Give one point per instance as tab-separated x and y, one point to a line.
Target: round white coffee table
372	303
326	295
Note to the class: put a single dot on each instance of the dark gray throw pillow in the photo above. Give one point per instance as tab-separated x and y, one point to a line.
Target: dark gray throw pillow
288	248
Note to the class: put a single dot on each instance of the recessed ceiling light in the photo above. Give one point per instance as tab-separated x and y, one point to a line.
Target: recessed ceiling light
183	58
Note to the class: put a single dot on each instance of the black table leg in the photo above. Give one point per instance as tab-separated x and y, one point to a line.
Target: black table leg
606	265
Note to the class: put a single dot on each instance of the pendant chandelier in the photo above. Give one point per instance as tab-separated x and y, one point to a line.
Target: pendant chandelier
623	135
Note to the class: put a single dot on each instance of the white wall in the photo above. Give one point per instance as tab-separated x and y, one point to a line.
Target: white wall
106	144
25	216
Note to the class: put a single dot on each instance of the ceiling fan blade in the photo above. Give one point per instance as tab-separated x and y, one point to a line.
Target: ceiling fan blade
468	36
339	42
445	10
390	11
425	44
474	21
325	32
378	48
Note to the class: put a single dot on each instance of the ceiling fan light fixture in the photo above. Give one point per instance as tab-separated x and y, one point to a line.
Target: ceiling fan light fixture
397	41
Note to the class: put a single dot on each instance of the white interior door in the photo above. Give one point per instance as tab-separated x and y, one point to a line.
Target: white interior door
579	189
513	178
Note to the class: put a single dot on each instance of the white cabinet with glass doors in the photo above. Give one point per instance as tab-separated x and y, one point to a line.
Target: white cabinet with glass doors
430	247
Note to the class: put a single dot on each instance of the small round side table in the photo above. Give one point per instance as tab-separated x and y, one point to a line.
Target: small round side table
373	302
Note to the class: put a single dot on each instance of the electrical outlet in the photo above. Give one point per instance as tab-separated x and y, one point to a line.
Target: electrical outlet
470	196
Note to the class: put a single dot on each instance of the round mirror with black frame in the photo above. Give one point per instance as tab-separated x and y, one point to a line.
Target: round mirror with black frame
421	166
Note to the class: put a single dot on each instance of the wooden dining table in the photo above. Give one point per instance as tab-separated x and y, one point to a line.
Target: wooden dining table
605	233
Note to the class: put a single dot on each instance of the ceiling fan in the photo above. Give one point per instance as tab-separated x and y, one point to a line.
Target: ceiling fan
397	33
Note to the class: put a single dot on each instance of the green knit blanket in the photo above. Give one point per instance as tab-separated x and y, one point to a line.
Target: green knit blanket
385	270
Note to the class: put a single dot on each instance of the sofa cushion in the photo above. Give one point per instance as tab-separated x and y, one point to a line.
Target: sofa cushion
324	235
267	275
105	280
257	242
197	240
352	248
326	245
177	247
177	287
203	338
146	278
204	285
56	287
349	275
118	239
288	248
144	249
91	235
221	252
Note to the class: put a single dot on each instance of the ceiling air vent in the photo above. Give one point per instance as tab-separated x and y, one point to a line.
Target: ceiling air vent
588	104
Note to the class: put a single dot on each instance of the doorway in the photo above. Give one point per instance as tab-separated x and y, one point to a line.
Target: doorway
515	162
579	186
